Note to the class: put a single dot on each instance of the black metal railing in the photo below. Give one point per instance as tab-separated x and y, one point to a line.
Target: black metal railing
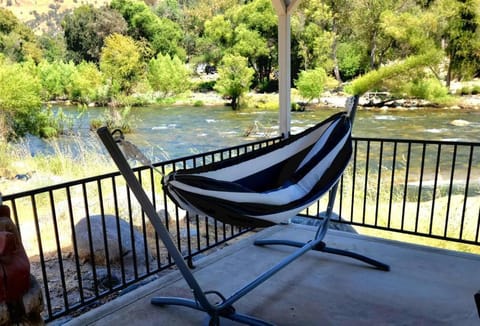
423	188
428	189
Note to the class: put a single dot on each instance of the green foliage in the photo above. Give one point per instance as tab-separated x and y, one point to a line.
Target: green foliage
115	118
469	90
234	78
351	60
204	86
20	105
52	124
53	47
310	83
56	79
163	35
250	31
198	103
412	31
87	84
19	100
311	30
17	41
121	62
464	90
87	27
168	76
376	78
430	89
460	21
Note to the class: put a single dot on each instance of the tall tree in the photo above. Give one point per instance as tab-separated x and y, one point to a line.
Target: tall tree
17	41
234	78
85	31
249	31
366	20
460	21
122	63
168	76
162	34
312	36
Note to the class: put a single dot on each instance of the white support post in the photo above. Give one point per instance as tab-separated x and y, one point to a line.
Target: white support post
284	73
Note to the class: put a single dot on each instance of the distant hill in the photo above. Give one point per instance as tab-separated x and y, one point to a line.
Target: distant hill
45	15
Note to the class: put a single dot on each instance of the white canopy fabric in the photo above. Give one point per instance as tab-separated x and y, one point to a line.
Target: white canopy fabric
284	9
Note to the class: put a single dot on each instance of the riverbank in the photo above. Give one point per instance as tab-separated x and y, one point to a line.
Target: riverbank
328	99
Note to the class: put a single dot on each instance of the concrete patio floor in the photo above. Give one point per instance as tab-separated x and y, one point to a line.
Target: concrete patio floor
425	286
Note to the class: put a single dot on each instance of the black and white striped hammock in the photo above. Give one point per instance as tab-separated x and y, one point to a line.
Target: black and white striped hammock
272	184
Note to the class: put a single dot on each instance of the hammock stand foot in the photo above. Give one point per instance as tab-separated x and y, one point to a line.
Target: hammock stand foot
215	315
321	246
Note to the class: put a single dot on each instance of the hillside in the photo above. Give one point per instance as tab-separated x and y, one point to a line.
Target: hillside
45	15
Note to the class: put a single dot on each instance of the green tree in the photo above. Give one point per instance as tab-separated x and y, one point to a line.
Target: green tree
351	60
87	84
459	21
234	78
53	47
195	15
55	78
121	63
310	83
219	35
19	100
413	32
17	41
312	35
168	76
366	22
163	35
87	27
391	76
249	31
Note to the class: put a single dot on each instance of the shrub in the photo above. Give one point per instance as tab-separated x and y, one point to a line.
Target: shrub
310	83
168	76
429	89
19	100
234	78
351	61
86	83
56	79
464	90
204	86
114	118
401	71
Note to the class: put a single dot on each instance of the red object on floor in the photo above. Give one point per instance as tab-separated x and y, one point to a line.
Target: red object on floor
14	264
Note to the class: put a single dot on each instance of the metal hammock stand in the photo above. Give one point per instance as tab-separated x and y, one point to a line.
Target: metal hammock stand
225	309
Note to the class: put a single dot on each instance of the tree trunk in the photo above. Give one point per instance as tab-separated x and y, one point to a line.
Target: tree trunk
336	70
448	78
234	102
373	51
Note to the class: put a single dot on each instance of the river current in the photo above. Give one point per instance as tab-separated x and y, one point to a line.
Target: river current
171	132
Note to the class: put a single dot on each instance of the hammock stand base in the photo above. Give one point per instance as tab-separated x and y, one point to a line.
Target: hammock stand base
223	309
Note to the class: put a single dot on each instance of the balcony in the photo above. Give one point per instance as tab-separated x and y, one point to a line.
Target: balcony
425	286
405	191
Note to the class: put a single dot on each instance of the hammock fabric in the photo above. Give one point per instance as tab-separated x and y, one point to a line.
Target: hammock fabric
269	185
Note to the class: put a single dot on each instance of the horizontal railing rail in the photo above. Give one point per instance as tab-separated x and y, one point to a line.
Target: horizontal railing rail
89	240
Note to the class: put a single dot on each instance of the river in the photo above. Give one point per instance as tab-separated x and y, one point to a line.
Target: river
171	132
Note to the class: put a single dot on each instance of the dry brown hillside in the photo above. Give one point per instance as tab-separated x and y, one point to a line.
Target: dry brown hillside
45	15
